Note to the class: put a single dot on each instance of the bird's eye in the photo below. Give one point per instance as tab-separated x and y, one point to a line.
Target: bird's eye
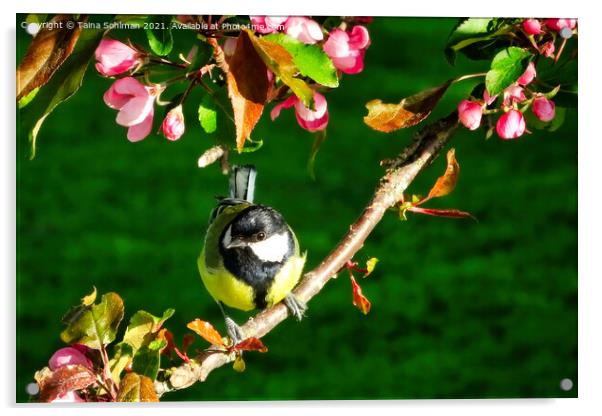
260	236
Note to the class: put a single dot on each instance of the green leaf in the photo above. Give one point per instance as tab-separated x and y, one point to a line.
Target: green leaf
122	355
208	114
142	327
311	60
506	67
216	117
96	325
64	83
252	145
158	32
28	98
466	32
148	359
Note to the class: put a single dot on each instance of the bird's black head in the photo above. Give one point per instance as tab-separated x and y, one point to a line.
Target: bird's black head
256	223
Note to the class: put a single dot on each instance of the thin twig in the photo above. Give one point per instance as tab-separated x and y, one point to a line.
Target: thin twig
399	175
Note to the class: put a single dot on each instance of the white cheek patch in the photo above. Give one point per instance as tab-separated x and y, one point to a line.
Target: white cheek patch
227	237
273	248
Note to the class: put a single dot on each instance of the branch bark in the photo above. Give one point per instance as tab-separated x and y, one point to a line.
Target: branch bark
400	173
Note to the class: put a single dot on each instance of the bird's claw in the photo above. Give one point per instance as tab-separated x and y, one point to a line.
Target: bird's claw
235	332
296	307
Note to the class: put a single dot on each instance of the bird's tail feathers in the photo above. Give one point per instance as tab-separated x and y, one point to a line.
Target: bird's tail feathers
242	182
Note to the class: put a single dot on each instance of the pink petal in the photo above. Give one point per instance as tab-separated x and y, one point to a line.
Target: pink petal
358	65
359	38
337	44
140	131
313	125
288	103
131	86
135	111
309	115
113	99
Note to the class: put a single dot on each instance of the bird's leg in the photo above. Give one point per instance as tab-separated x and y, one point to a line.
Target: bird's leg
235	332
296	307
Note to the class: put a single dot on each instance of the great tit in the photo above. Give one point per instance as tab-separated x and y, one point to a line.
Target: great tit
251	256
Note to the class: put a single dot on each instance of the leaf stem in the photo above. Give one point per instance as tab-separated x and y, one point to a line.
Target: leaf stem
464	77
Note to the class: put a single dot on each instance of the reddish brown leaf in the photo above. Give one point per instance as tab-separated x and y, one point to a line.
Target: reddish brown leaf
47	51
446	183
63	380
448	213
136	388
247	88
409	112
359	300
206	331
250	344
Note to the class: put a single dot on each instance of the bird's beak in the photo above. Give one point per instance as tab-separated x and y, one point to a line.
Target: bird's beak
236	242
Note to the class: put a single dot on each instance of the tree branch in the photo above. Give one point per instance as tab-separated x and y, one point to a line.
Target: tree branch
400	173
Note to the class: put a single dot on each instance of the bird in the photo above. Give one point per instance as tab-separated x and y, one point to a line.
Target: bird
251	257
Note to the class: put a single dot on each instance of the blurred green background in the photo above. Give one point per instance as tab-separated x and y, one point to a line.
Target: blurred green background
460	309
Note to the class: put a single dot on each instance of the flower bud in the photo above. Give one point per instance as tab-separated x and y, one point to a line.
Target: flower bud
173	124
310	120
347	49
528	75
115	57
544	109
559	24
469	114
513	94
548	49
532	27
511	125
68	356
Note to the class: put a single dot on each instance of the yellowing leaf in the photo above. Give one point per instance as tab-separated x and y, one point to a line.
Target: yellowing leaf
206	331
247	88
359	300
446	183
136	388
281	63
370	265
47	51
407	113
239	364
89	299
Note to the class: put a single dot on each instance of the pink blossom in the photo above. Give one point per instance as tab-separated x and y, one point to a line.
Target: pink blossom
514	94
528	75
470	114
309	120
267	24
173	124
548	49
487	98
532	27
115	57
511	125
68	356
347	49
69	397
544	109
559	24
135	104
303	29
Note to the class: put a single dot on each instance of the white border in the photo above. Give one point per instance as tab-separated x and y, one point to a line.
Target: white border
590	206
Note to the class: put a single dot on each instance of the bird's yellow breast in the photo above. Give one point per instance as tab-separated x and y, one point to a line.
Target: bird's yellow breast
225	287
